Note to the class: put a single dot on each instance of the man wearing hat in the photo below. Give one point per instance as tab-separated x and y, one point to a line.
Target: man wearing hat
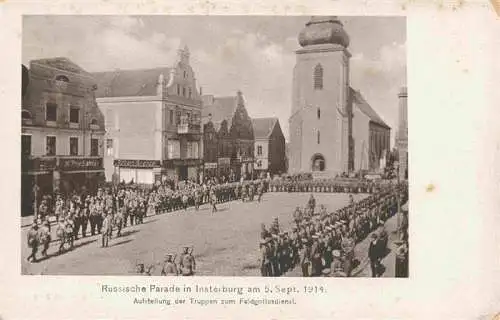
305	257
265	265
169	267
316	254
337	267
45	237
187	262
374	255
33	241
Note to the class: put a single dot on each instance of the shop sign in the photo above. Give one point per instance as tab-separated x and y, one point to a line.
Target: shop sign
142	164
39	164
224	161
210	165
247	159
182	162
80	164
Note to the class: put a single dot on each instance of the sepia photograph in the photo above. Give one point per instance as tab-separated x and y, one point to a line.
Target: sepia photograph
239	146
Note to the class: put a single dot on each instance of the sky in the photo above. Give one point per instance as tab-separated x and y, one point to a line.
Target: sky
254	54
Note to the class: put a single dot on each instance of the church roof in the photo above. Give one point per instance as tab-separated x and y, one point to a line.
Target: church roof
128	83
322	30
263	127
364	107
221	108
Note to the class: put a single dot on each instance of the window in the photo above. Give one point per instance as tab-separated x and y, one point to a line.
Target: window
190	93
178	117
51	112
183	91
93	122
171	117
50	146
73	146
94	147
185	74
62	78
109	147
174	149
318	77
26	115
318	163
259	150
26	145
319	113
192	149
178	90
188	117
74	115
318	137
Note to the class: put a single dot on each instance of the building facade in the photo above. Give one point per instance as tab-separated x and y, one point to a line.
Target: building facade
153	123
228	138
319	121
62	130
333	130
270	153
402	140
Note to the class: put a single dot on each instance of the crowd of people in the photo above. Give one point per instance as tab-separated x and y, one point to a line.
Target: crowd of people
322	243
114	208
333	185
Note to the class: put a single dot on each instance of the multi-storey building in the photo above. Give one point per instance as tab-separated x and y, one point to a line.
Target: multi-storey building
153	122
62	130
228	137
270	154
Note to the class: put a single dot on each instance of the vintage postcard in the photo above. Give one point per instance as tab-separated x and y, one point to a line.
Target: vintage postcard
251	164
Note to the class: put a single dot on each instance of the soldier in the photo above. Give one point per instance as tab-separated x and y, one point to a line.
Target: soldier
187	262
316	254
85	214
213	200
265	259
264	234
169	267
33	241
197	198
305	257
119	221
61	234
275	254
185	200
251	192
107	228
45	237
260	191
69	227
337	268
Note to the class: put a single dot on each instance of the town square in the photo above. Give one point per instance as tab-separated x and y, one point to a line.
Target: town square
214	146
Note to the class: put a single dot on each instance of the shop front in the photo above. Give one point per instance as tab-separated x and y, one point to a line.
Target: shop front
185	169
36	180
80	174
210	169
138	171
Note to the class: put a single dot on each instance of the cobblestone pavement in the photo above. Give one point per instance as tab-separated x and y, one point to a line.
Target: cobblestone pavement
225	243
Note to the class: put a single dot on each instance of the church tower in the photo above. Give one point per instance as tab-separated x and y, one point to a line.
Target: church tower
320	116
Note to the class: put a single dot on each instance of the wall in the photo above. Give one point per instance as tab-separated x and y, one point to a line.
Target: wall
264	143
361	136
277	152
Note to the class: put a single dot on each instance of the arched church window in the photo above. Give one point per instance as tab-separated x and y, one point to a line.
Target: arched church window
318	137
319	113
318	77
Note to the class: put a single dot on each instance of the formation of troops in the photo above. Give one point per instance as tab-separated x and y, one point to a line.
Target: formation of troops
110	210
333	185
322	243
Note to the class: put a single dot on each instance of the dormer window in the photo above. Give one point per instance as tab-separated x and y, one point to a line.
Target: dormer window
62	78
93	122
26	115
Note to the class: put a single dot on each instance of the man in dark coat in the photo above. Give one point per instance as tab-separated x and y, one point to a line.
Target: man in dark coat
374	255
